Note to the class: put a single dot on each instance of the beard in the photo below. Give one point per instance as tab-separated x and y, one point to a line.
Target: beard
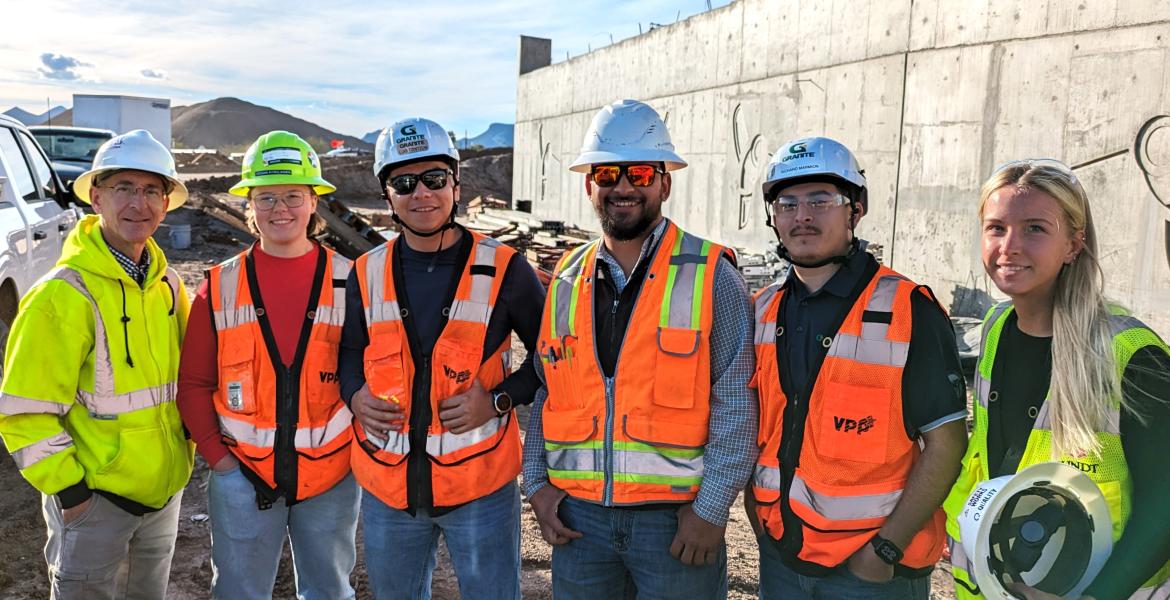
624	228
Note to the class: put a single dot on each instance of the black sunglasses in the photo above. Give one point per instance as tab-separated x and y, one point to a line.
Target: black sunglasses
434	179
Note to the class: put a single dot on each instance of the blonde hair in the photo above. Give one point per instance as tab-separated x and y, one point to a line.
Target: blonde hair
1085	384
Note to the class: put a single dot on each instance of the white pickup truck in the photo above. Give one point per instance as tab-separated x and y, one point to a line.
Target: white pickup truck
36	213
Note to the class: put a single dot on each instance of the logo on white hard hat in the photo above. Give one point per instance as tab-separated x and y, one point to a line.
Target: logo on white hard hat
798	150
409	141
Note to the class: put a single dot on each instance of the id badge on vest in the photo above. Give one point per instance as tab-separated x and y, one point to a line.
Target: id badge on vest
235	395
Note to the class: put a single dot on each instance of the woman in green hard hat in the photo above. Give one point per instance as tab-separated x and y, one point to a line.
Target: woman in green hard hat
259	393
1065	376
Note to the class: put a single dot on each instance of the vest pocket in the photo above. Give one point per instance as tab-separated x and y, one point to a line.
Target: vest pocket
453	368
321	391
237	377
384	371
676	367
855	423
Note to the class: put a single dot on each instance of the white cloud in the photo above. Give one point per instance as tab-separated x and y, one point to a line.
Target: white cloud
349	65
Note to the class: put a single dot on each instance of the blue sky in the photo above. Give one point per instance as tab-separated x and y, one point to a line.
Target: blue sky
350	66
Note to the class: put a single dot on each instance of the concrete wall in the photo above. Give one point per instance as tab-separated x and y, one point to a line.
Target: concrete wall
931	95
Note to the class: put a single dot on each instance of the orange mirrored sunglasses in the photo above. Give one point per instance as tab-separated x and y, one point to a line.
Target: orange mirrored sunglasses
641	175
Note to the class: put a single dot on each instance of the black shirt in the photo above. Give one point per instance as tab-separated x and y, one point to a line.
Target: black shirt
1021	375
933	389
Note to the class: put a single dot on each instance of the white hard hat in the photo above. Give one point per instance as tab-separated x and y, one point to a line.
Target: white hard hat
815	157
1047	526
139	151
412	139
627	131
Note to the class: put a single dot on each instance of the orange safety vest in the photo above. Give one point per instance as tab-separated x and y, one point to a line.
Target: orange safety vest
855	456
647	446
259	428
464	466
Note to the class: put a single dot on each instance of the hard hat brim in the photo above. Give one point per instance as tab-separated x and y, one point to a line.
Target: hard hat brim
176	198
586	160
320	186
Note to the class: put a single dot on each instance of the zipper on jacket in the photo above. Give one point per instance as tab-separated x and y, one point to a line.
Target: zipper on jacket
418	473
607	491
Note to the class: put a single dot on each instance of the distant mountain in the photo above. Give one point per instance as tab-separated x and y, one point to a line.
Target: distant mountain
34	119
234	123
371	137
498	135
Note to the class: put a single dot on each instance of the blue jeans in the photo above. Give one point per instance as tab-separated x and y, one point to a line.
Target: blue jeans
483	539
246	542
778	582
624	553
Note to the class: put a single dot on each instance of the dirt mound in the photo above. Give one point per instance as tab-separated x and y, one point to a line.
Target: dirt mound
230	123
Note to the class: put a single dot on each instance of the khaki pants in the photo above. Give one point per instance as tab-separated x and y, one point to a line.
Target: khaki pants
107	553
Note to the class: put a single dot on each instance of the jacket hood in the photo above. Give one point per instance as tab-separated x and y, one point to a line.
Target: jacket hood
86	250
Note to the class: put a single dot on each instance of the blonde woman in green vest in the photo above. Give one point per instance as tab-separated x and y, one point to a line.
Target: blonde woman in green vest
1065	376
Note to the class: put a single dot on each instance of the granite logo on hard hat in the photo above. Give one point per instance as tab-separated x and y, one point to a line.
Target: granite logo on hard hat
281	156
313	159
798	150
410	141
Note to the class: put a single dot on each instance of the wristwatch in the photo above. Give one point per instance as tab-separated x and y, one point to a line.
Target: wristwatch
886	550
502	402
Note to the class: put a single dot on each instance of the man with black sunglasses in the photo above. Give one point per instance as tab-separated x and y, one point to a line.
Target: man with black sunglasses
643	433
424	363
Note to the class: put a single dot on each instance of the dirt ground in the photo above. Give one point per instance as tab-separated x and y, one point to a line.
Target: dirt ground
22	568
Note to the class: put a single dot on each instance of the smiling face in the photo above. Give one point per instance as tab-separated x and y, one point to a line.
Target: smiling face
131	208
423	209
1026	240
627	212
277	222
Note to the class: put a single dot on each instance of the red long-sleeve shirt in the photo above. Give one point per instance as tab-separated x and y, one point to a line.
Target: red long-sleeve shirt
284	284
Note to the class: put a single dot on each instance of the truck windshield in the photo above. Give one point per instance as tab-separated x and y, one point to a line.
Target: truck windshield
72	145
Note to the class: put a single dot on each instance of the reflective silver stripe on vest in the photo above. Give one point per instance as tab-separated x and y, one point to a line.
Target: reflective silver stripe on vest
36	452
636	465
765	327
317	437
844	508
481	285
305	437
340	267
448	443
983	385
128	401
333	316
376	308
959	557
229	315
562	286
767	477
1158	592
683	296
395	442
103	401
19	405
872	346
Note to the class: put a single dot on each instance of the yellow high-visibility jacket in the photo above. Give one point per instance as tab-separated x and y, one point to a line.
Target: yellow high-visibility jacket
91	372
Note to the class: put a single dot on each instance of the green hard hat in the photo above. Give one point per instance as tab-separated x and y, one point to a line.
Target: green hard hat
281	158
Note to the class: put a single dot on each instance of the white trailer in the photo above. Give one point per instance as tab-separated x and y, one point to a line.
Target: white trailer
124	113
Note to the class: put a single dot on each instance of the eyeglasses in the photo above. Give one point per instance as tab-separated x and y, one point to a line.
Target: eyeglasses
125	191
267	201
816	203
434	179
637	175
1031	163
